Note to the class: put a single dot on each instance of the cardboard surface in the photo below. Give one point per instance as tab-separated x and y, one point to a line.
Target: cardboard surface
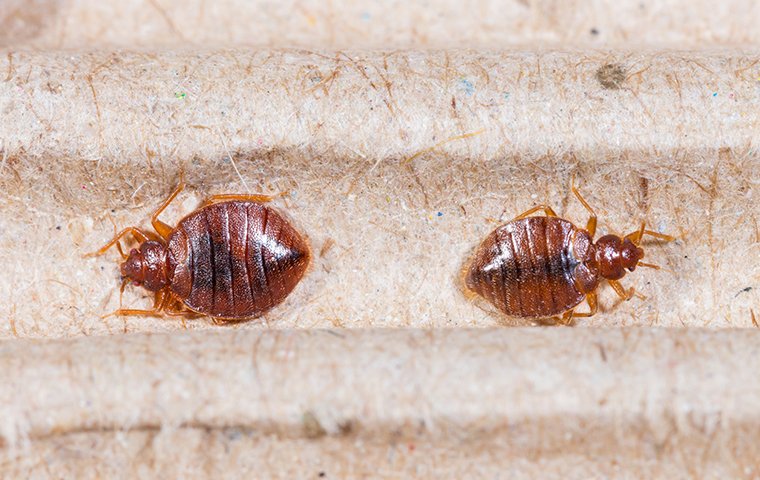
342	24
396	166
403	132
387	403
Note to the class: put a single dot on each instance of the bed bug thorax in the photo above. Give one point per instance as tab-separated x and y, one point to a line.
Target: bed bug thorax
146	266
544	266
232	259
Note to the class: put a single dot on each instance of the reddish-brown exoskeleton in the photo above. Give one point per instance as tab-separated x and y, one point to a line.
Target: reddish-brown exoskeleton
231	259
541	267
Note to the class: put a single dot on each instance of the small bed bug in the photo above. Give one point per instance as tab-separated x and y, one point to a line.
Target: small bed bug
232	259
539	267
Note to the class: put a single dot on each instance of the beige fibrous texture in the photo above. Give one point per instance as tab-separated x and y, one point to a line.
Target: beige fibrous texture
396	165
399	135
483	24
390	403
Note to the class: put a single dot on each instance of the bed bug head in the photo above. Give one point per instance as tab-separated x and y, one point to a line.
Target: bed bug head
614	255
146	266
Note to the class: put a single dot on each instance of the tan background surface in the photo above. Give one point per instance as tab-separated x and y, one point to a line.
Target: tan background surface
413	157
404	133
378	25
354	403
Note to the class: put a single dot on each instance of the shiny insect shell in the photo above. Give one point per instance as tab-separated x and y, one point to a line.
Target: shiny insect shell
234	258
541	267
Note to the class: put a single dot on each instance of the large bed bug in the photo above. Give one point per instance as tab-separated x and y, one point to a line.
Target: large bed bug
541	267
232	259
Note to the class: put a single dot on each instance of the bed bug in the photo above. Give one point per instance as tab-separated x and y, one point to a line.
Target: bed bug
232	259
540	267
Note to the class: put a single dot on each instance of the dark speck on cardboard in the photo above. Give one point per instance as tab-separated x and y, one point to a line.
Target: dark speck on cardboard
743	290
611	76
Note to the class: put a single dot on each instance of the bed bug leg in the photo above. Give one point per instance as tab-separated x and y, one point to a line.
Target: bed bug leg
547	210
226	197
123	312
179	309
223	322
121	251
164	305
158	304
124	283
118	246
638	234
591	224
568	318
139	235
160	227
593	306
621	291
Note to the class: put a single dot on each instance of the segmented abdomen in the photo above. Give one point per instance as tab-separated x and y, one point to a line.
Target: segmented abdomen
235	259
525	268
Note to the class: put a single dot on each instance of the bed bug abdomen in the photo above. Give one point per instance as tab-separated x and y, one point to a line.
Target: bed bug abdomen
527	268
235	260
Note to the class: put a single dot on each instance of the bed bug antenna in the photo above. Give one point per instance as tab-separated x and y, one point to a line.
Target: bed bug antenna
650	265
